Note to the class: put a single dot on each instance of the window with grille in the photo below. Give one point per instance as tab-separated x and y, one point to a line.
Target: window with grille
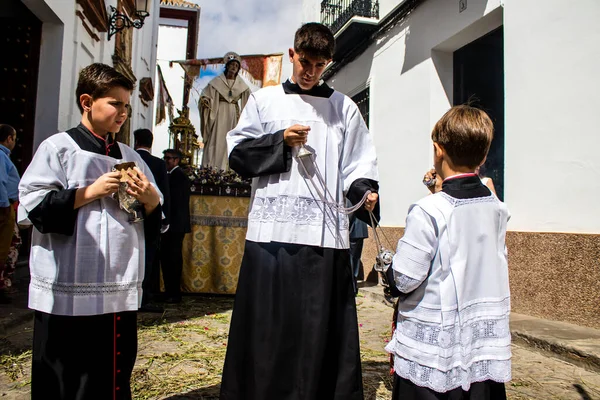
362	101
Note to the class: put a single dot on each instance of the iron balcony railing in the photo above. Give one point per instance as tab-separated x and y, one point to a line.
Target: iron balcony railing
335	13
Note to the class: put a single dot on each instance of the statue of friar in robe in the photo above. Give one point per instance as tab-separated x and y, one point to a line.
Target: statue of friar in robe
221	103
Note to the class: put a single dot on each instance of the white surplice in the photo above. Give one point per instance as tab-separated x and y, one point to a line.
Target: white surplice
286	207
100	268
453	328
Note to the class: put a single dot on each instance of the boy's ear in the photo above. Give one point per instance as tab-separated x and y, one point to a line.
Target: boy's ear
438	151
86	102
291	53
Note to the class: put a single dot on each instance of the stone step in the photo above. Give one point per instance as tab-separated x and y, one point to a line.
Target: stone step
575	344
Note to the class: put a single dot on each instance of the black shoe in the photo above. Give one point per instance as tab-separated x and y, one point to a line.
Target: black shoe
173	300
4	298
151	308
157	297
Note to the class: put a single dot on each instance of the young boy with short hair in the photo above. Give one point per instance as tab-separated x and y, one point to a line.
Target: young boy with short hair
452	339
87	256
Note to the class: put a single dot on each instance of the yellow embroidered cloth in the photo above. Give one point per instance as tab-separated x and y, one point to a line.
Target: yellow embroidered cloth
212	252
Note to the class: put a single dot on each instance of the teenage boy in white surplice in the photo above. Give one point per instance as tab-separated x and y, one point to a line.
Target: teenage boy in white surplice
294	331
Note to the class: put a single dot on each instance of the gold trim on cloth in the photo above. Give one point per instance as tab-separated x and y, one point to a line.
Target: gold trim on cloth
212	252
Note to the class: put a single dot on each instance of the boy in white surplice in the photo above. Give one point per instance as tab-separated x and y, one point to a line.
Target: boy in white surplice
87	255
294	331
452	339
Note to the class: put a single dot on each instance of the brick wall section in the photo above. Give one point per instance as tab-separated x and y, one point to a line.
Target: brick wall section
553	276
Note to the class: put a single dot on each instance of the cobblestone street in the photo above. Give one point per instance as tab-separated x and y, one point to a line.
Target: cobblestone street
161	158
181	357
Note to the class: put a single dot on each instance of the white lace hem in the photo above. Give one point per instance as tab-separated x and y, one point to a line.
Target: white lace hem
490	330
444	350
83	289
444	381
295	209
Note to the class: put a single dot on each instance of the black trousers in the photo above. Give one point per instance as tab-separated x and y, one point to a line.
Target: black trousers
486	390
83	358
171	260
356	247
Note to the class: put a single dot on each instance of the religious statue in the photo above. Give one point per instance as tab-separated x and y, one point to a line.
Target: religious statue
220	106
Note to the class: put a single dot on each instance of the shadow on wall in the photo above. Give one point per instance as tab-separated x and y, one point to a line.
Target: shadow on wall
359	70
442	61
425	30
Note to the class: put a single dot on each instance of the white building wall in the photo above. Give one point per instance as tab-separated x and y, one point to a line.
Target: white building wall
311	11
53	109
85	51
410	74
552	54
172	42
67	48
552	96
387	6
144	56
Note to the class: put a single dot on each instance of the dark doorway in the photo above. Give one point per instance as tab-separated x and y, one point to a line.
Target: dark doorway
479	79
362	101
21	33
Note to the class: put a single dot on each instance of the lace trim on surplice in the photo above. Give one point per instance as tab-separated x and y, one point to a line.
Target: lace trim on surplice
294	209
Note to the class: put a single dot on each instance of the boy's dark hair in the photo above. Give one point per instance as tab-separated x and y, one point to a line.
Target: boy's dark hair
6	131
173	152
466	134
143	137
315	40
97	80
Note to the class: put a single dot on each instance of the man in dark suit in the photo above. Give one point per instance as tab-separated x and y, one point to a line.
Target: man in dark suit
171	257
143	145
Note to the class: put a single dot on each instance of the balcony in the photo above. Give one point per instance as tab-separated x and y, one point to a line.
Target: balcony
350	21
336	13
